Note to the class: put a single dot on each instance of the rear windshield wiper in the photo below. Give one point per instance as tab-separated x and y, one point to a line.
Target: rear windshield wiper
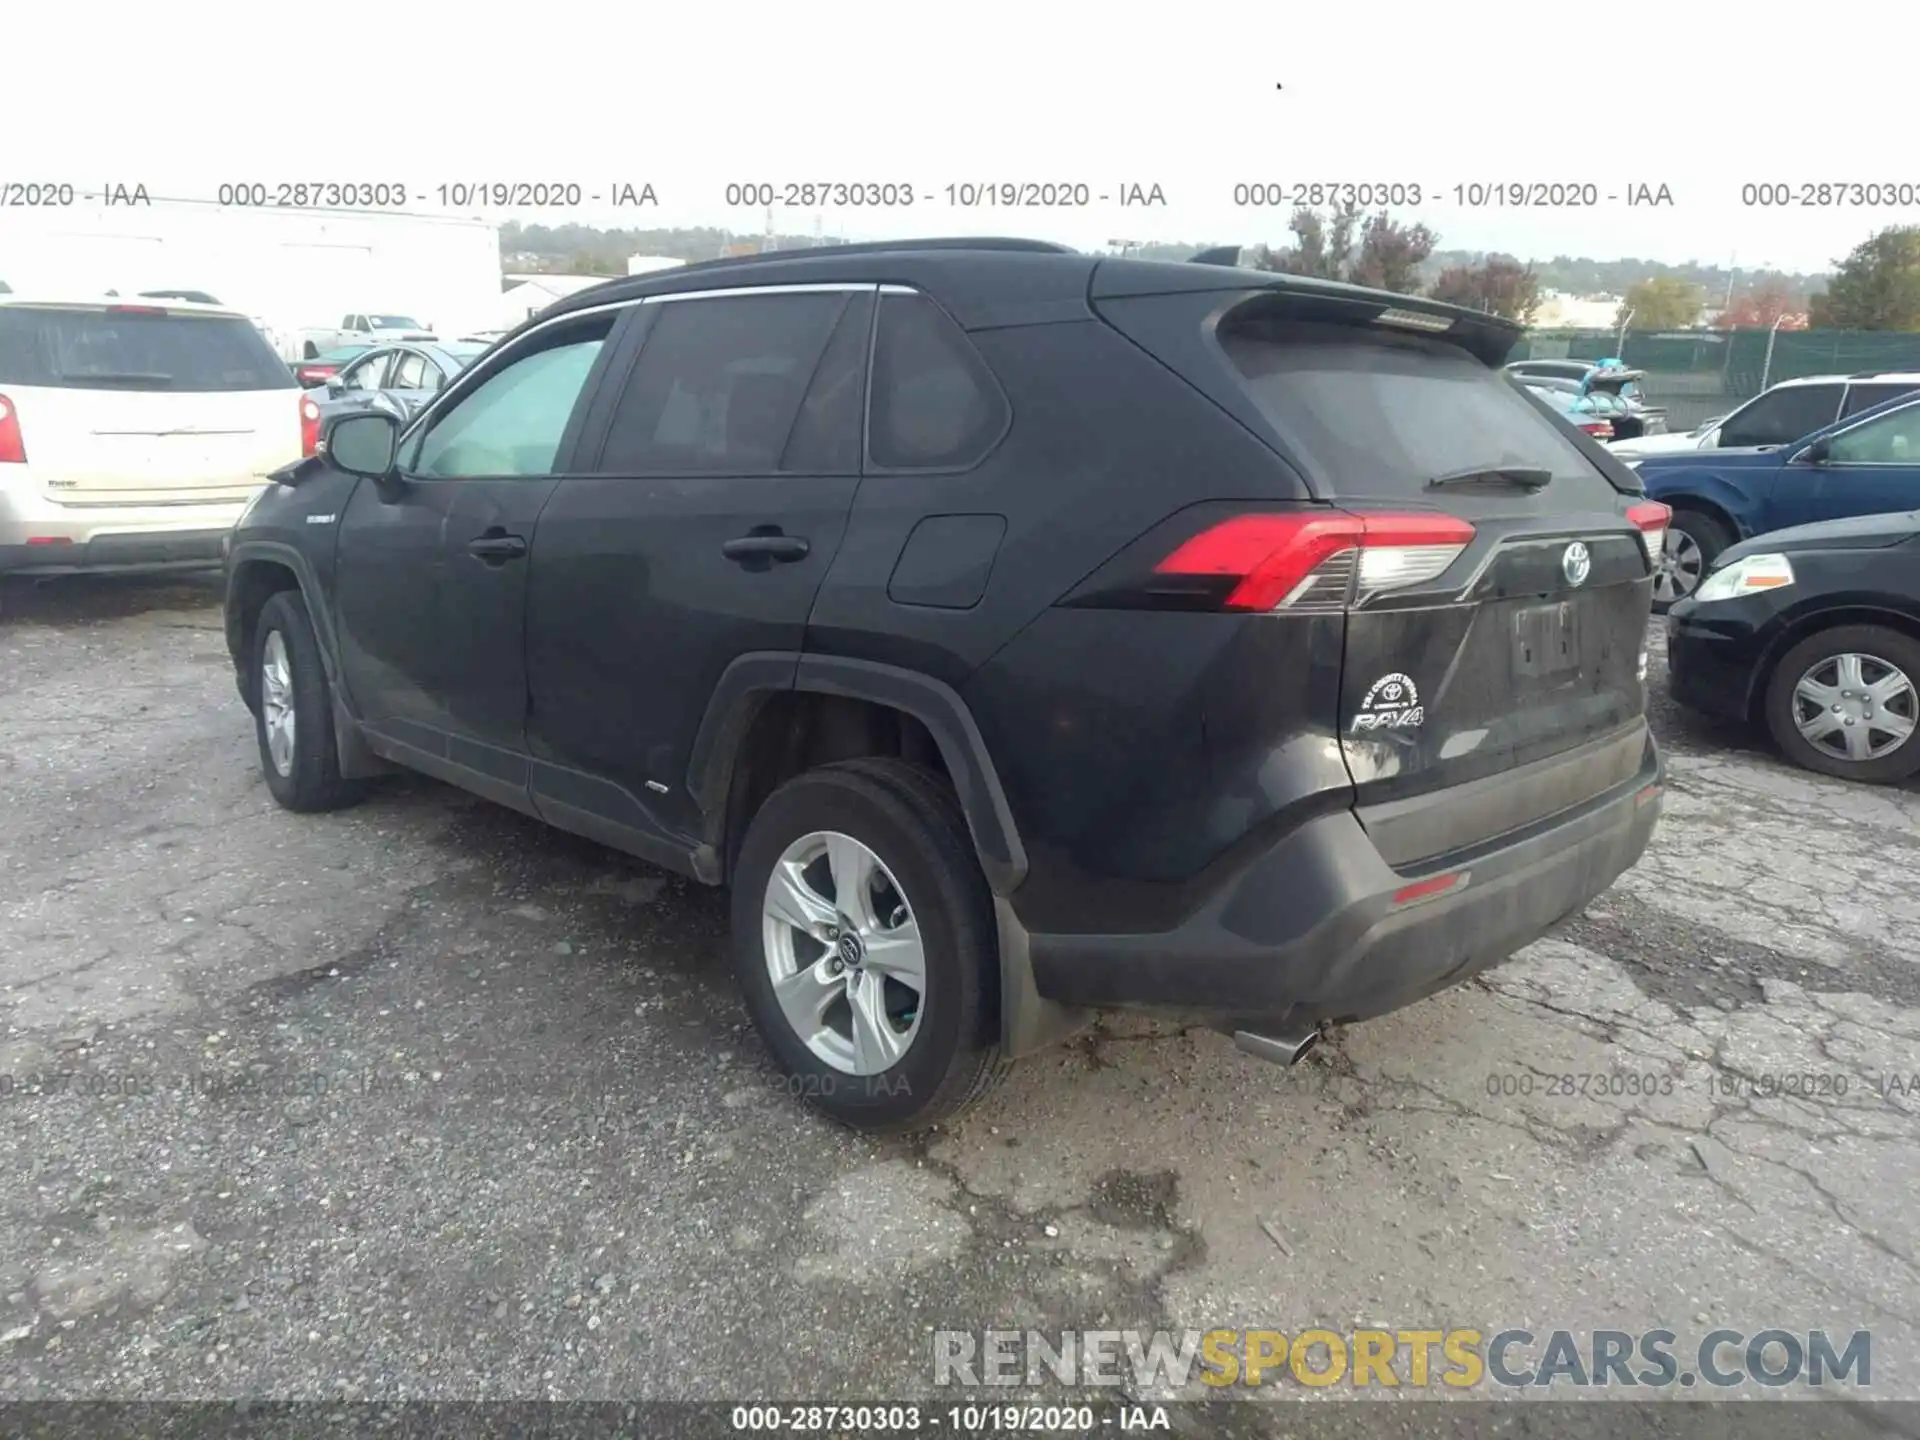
1526	477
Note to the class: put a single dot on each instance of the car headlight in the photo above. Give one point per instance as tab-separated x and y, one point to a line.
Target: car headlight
1745	577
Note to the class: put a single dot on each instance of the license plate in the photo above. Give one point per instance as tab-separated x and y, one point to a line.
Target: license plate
1546	641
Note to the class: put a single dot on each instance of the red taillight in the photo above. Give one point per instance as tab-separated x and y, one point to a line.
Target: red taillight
1651	518
309	427
1599	429
13	447
1318	561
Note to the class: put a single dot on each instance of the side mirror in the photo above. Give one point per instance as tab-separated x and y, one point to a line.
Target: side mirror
363	444
334	383
1818	452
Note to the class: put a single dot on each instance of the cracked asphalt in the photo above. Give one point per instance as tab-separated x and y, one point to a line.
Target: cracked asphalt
421	1100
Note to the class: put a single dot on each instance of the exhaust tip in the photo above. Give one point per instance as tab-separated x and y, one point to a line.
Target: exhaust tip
1278	1049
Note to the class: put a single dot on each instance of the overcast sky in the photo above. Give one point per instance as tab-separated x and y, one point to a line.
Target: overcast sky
1700	97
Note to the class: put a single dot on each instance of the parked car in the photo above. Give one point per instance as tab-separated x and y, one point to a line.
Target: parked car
1781	414
363	328
405	376
1138	634
1596	414
483	337
1640	416
1866	464
1815	631
315	371
133	433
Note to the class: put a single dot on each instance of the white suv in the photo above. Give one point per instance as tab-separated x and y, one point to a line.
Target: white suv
133	433
1781	414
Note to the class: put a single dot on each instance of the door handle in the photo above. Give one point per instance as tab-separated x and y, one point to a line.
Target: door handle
766	547
496	549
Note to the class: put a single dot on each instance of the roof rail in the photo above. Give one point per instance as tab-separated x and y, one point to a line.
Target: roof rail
870	247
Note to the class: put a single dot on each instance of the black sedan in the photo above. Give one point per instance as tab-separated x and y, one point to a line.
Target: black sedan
1816	631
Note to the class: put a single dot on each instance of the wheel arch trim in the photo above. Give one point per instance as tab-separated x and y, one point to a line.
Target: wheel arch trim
750	680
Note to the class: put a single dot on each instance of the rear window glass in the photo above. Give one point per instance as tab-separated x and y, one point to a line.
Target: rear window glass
104	350
1382	415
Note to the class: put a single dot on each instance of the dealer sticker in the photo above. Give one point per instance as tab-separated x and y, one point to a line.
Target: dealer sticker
1393	703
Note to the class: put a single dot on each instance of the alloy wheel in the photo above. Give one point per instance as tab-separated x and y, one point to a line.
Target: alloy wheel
844	953
276	701
1677	574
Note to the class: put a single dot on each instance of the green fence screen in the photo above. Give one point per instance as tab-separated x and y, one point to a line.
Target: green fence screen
1699	374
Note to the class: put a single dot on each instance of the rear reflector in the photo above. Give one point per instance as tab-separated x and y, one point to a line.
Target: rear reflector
1319	561
49	539
1651	518
13	448
1427	889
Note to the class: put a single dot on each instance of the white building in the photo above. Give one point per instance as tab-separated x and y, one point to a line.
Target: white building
1560	311
647	264
527	295
290	269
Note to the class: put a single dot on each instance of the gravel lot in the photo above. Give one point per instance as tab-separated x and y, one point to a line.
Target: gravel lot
496	1126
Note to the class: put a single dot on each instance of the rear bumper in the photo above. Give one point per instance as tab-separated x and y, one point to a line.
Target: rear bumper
38	537
1315	930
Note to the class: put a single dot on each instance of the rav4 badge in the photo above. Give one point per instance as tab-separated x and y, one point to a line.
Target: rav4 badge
1391	704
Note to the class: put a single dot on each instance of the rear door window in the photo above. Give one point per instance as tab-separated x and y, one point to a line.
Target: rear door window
719	383
134	349
1380	415
1866	396
1782	416
935	404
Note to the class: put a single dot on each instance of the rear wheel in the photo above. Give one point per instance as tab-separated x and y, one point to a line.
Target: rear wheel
865	944
1846	702
1693	542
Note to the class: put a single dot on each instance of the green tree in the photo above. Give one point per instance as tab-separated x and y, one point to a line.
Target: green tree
1877	287
1662	302
1374	250
1499	285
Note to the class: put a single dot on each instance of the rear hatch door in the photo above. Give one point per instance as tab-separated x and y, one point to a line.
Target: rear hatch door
140	404
1528	645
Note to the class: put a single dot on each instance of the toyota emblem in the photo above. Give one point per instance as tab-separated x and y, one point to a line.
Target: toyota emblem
1576	564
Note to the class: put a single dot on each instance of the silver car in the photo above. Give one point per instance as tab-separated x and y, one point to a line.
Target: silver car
396	378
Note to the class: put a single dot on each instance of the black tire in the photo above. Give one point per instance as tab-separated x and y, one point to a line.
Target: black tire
911	821
1888	646
312	780
1709	536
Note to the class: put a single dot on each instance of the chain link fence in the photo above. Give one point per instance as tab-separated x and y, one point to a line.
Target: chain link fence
1697	375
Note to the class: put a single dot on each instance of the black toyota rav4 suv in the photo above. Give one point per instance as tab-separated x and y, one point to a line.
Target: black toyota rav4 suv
1016	632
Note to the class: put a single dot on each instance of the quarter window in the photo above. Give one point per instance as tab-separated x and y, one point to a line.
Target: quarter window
935	404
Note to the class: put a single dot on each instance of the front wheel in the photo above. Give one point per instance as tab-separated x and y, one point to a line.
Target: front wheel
293	710
1693	542
1846	702
864	939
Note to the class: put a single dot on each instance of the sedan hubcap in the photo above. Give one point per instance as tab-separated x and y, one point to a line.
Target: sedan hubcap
844	953
1855	707
1678	573
276	701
